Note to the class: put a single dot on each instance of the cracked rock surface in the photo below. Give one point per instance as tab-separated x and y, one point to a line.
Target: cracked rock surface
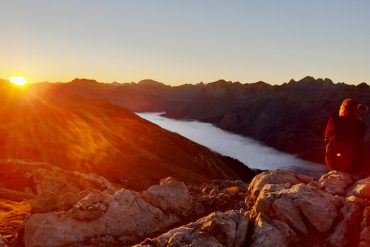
278	208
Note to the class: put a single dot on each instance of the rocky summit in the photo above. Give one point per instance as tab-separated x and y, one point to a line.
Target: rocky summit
278	208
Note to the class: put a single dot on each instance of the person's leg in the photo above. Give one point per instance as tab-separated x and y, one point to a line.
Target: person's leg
363	165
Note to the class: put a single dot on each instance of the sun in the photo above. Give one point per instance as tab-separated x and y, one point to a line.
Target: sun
18	80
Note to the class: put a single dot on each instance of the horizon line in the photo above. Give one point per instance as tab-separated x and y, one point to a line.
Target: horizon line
197	83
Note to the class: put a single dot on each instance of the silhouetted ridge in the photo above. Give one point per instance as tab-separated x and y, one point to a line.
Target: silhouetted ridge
83	81
150	82
290	117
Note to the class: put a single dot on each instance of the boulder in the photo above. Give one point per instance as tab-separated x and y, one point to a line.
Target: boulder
91	207
275	177
217	229
36	178
335	182
170	196
346	228
48	202
279	208
219	195
365	228
295	204
122	218
361	189
271	234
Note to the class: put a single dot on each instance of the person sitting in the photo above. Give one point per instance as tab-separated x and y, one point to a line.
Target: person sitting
344	136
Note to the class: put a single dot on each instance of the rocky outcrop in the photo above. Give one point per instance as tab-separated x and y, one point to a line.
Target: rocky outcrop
49	187
329	212
28	187
170	196
121	218
217	229
278	208
277	177
284	208
272	233
219	195
36	178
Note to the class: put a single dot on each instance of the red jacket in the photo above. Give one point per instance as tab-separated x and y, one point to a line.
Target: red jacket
344	136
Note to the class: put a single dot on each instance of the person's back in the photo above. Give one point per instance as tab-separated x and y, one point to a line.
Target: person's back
344	135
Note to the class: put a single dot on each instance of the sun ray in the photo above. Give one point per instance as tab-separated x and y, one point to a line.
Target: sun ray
18	80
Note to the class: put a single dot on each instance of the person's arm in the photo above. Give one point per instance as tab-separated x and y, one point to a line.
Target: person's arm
363	129
330	130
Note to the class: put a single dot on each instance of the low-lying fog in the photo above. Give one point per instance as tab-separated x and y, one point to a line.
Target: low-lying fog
247	150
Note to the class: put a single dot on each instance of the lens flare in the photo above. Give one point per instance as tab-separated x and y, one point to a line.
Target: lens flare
18	80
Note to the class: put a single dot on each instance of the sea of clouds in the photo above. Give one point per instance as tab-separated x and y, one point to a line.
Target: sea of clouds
250	152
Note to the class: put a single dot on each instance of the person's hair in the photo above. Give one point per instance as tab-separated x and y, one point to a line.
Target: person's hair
362	108
348	107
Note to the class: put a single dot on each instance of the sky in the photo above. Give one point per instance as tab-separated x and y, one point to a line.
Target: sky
178	42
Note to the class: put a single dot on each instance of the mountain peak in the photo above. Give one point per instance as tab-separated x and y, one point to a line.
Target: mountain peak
310	81
149	82
83	81
220	82
307	79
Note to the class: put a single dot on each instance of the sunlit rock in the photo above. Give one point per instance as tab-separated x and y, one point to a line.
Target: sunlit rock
125	217
170	196
217	229
271	234
361	189
335	182
275	177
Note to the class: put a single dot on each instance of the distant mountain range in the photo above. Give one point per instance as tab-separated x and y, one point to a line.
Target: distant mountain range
55	125
290	117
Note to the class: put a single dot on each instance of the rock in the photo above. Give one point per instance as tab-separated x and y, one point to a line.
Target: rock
48	202
126	217
36	178
361	189
345	231
218	196
93	206
271	234
217	229
279	208
293	205
229	228
365	228
319	207
275	177
335	182
170	196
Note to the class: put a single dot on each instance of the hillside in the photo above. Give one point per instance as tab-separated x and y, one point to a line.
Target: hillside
94	136
290	117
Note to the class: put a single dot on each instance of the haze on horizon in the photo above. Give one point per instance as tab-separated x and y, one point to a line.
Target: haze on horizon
178	42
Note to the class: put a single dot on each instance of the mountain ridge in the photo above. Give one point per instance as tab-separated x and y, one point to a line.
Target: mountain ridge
86	134
280	116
